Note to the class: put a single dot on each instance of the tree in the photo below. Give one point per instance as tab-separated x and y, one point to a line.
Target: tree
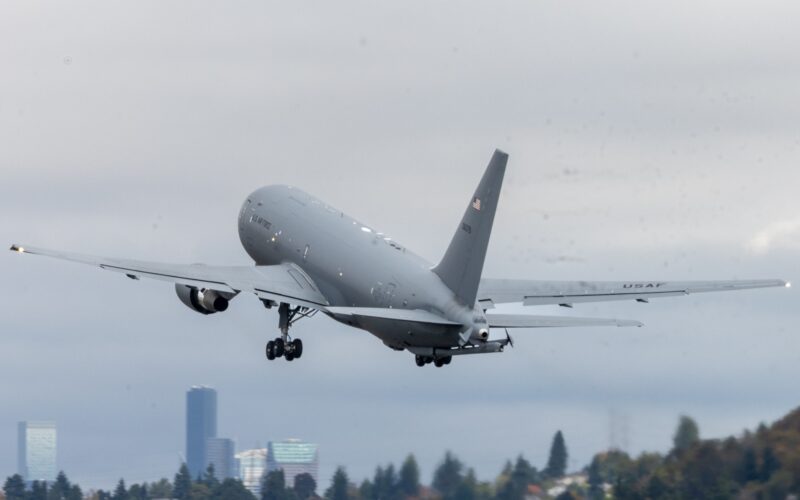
273	486
14	488
595	480
748	471
521	475
75	493
304	485
339	486
231	489
769	464
657	487
199	491
686	434
703	473
161	489
366	490
557	462
182	484
210	477
390	487
38	491
120	492
447	476
468	487
60	489
138	492
409	476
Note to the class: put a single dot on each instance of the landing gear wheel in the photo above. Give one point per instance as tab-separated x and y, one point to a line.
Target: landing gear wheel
439	362
420	360
297	348
270	350
447	359
289	355
280	348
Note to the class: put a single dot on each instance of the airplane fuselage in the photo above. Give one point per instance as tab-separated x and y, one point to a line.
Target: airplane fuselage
353	266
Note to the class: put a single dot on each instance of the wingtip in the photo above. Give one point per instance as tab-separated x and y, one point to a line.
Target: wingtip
629	322
17	248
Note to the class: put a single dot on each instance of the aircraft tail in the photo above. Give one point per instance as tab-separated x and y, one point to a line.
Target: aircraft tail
461	267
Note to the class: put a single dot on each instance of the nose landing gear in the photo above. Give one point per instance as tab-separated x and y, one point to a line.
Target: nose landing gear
285	346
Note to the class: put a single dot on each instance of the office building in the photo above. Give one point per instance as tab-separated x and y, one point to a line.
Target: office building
293	457
220	454
36	451
251	465
201	424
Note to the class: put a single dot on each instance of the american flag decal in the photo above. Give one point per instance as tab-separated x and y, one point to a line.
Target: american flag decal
476	203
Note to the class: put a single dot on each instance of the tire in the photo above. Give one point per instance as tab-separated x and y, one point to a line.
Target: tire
448	359
439	362
270	350
419	360
279	348
297	348
289	355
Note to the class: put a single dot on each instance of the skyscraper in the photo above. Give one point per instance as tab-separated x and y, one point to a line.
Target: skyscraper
252	465
294	457
219	453
36	451
201	424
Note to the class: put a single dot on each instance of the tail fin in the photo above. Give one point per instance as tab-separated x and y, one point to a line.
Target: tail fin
461	267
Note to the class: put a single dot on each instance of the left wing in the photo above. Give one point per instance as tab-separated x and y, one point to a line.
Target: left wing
281	283
530	321
531	292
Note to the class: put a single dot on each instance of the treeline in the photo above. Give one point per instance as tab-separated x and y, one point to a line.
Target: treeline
764	464
452	480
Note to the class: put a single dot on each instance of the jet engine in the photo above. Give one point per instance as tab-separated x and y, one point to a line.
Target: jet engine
202	300
479	333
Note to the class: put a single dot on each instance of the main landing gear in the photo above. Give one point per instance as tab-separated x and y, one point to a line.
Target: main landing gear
438	362
284	346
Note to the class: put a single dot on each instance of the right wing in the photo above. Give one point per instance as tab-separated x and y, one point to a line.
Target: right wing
281	282
532	292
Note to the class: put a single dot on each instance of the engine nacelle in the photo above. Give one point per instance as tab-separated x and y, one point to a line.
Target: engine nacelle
201	300
480	334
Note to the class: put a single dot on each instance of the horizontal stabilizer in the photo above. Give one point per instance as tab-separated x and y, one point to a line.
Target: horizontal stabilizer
412	315
531	321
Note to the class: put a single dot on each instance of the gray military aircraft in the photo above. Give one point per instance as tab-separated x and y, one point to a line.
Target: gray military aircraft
311	257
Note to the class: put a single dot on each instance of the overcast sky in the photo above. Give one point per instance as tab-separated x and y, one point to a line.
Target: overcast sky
647	140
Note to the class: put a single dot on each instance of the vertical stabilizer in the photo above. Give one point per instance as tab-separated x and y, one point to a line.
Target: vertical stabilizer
461	267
